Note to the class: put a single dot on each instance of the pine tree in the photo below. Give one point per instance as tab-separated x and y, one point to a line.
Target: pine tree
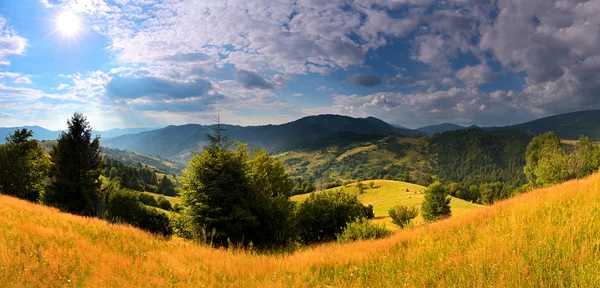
165	187
436	204
75	175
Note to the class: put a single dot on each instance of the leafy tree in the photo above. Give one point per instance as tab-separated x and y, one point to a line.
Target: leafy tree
75	175
236	197
114	173
325	214
371	184
584	160
546	162
436	204
402	215
23	166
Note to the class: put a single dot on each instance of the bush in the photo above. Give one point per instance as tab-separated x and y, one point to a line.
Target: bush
163	203
436	204
402	215
363	229
325	214
148	199
124	207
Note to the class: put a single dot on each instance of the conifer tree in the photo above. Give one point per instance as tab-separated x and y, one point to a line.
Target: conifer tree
75	175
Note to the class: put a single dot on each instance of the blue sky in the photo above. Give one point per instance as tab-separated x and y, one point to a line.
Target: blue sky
137	63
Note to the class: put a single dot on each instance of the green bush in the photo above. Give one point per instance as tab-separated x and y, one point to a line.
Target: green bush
148	199
363	229
436	203
402	215
325	214
163	203
124	207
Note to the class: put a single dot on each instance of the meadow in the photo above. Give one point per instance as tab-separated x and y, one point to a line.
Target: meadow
386	194
545	238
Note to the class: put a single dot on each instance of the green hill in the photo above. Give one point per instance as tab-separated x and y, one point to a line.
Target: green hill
386	194
347	155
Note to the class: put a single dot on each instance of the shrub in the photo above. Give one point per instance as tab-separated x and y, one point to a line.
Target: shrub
124	207
325	214
371	184
436	204
363	229
148	199
163	203
402	215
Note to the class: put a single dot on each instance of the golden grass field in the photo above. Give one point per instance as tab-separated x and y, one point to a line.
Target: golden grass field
387	194
545	238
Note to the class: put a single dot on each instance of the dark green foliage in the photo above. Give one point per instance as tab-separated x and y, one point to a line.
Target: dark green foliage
148	199
302	187
371	184
585	158
232	196
402	215
406	175
163	203
23	166
166	187
363	229
436	204
138	177
486	193
475	156
325	214
75	175
124	207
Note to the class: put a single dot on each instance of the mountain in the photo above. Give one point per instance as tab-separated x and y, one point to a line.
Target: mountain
176	142
567	126
439	128
41	133
118	132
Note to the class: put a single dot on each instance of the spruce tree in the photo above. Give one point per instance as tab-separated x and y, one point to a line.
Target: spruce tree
436	204
75	175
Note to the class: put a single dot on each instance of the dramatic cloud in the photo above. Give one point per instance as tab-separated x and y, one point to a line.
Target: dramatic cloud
251	80
366	80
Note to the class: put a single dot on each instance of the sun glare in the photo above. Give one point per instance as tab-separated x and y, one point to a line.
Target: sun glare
68	23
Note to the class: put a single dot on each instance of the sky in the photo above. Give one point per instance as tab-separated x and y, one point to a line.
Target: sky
145	63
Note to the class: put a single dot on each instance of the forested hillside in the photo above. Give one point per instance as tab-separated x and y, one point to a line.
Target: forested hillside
475	156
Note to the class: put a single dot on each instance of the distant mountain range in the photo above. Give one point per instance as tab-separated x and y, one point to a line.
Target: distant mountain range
41	133
176	142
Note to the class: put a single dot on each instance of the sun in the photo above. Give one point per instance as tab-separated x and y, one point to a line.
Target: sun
68	23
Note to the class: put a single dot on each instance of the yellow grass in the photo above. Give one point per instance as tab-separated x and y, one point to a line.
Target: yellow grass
387	194
545	238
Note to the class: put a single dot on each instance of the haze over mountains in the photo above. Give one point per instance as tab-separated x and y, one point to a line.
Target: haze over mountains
41	133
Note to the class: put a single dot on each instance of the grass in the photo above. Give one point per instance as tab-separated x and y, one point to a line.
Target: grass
387	194
545	238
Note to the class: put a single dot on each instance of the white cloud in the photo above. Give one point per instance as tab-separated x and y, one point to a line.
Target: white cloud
475	75
23	80
10	42
297	94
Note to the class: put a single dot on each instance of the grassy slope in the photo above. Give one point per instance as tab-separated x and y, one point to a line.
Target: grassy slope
333	160
548	238
387	194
